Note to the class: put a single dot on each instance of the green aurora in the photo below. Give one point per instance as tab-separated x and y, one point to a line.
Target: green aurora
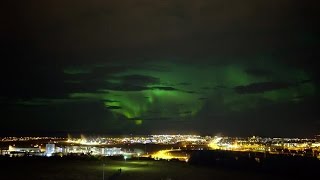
183	90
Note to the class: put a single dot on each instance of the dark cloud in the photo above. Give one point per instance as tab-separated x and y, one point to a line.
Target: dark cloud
148	119
202	98
125	83
154	112
43	102
140	80
110	101
94	72
186	112
298	98
165	88
191	92
257	72
98	29
104	77
72	81
113	107
124	87
220	87
159	118
206	88
29	81
102	84
261	87
305	81
184	84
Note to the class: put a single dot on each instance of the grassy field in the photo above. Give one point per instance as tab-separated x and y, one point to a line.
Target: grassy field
93	169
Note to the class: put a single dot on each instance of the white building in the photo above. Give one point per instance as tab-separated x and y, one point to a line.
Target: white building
112	151
50	149
24	149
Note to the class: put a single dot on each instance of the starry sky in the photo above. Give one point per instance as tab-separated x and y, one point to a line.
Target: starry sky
235	68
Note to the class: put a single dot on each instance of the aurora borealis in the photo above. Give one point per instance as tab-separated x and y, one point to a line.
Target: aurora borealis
161	67
146	94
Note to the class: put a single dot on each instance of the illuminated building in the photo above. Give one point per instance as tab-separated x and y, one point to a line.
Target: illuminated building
112	151
50	149
24	149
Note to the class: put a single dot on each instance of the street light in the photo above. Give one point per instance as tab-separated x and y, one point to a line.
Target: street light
125	158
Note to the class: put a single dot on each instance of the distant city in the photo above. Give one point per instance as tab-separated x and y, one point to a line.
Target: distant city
157	147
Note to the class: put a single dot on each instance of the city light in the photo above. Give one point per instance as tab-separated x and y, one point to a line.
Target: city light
97	145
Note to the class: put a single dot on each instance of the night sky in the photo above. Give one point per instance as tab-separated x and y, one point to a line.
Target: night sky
235	68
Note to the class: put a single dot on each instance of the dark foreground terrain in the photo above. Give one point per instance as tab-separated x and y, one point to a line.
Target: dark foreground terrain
92	168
